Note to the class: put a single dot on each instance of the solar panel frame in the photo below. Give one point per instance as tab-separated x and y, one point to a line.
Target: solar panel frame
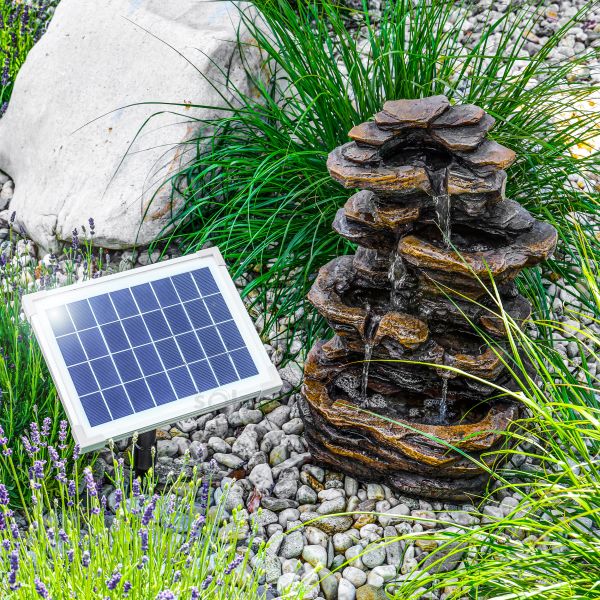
40	305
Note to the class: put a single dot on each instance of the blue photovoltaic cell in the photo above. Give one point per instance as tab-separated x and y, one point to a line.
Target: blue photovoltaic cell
105	372
115	336
144	297
196	310
136	331
217	308
60	321
93	343
157	325
205	282
71	349
138	348
103	309
148	359
95	409
124	303
117	401
82	315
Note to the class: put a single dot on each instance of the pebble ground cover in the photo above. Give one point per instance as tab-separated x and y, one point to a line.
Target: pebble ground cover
298	529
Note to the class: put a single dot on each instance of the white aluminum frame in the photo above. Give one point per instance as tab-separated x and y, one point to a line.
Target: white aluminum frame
89	438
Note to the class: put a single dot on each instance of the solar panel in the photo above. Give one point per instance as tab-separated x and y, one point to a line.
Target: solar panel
136	350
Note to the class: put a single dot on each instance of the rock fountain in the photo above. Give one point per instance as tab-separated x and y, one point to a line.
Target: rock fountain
431	224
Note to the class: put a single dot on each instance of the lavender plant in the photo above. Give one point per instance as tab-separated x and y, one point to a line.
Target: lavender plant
26	390
140	544
21	25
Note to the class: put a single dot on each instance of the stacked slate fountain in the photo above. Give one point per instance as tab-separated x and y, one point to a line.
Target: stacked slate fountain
431	223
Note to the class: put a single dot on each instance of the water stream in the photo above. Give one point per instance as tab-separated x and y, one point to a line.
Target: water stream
438	179
371	324
443	407
396	277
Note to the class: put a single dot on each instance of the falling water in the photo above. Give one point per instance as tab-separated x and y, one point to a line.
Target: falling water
443	408
438	179
396	277
372	322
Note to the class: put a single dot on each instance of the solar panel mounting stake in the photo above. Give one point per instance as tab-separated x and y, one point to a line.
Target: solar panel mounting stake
142	452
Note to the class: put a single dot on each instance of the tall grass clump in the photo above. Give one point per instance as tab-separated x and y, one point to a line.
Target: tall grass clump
21	25
143	544
259	188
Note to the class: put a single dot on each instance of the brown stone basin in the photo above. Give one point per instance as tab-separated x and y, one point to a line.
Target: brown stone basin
410	447
444	270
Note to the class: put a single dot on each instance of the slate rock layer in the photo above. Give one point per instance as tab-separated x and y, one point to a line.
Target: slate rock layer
413	300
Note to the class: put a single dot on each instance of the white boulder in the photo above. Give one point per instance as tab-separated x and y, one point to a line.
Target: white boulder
73	138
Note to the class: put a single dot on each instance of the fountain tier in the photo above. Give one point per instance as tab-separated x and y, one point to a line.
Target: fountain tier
432	227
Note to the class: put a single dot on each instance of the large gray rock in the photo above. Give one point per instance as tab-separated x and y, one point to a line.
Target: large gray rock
69	139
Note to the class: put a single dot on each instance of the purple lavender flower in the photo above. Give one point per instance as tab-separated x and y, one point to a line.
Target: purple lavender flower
4	496
76	452
62	434
143	562
144	539
38	469
85	559
206	582
236	562
14	529
29	448
5	72
204	495
35	434
149	512
194	593
6	544
46	425
75	241
3	109
41	589
2	521
165	595
197	526
136	488
127	588
54	456
3	438
89	482
51	536
70	555
114	580
176	576
118	498
92	225
184	549
13	561
71	491
62	534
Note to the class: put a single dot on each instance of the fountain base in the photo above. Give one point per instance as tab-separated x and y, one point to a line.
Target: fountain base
405	453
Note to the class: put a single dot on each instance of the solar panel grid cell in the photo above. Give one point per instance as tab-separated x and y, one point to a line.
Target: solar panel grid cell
151	344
